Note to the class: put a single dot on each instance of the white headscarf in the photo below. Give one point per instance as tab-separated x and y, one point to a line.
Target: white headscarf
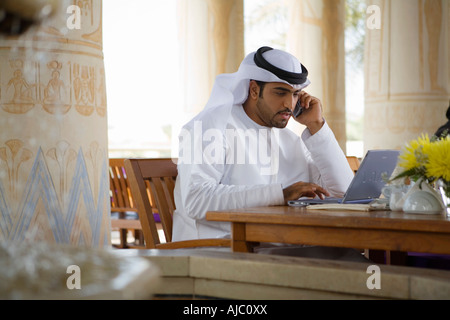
232	88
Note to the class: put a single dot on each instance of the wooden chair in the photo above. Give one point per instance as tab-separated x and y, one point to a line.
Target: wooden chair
156	178
353	162
124	214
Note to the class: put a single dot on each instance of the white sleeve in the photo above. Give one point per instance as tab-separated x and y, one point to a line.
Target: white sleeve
329	167
201	191
200	182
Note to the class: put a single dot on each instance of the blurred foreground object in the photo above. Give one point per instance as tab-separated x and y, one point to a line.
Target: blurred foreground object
50	271
16	16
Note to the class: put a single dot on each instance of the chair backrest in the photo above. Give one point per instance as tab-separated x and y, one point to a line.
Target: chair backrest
121	198
153	178
353	162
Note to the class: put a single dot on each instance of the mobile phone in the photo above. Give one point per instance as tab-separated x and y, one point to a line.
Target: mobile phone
298	109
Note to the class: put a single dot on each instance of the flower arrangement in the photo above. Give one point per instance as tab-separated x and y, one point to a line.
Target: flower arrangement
427	159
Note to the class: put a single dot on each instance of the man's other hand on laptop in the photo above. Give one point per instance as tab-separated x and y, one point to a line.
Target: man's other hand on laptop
304	189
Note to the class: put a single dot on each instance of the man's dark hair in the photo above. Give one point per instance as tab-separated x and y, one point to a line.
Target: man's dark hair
261	85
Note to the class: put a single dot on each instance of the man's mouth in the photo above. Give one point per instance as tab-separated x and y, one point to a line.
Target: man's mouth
285	114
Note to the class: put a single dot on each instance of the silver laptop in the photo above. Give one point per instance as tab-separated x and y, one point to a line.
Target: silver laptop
367	183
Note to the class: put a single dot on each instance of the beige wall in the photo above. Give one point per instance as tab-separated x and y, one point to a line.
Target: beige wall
406	76
212	42
316	37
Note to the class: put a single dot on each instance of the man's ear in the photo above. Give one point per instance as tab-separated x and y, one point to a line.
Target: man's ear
254	90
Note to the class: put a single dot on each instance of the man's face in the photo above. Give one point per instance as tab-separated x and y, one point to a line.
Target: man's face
276	103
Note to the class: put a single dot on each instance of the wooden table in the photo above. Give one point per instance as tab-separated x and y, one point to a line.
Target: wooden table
382	230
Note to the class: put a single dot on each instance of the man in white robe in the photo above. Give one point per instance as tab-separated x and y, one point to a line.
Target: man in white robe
237	152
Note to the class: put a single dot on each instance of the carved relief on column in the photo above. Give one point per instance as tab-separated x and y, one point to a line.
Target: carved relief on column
406	74
316	37
53	143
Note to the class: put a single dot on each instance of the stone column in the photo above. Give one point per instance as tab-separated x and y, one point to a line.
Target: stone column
211	34
53	139
407	72
316	37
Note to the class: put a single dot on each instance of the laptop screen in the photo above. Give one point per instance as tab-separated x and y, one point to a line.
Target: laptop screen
368	181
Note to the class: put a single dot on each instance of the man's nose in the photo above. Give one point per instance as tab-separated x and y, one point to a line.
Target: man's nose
290	102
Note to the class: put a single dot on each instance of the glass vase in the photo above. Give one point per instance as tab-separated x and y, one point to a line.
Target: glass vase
445	196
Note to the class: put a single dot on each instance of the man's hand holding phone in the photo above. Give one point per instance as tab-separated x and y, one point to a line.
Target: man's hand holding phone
308	111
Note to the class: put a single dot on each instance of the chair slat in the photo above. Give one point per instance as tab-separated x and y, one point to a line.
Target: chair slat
118	187
170	185
139	191
163	207
121	201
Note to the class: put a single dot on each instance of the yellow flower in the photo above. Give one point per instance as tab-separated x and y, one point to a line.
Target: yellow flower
438	165
413	155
